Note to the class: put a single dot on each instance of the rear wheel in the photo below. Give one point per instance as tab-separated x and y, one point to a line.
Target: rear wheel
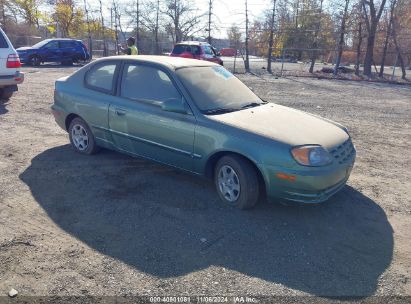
35	60
67	62
81	137
236	182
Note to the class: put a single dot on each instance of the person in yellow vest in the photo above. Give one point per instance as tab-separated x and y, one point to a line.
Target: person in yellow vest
131	47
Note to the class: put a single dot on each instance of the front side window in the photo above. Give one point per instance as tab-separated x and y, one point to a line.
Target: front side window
52	45
100	77
147	84
208	50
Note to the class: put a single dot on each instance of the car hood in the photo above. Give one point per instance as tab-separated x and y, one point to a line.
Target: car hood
24	48
286	125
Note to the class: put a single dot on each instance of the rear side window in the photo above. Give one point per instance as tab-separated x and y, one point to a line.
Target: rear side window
3	42
101	77
147	84
66	44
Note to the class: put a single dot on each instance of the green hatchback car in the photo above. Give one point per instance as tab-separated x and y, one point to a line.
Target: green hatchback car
196	116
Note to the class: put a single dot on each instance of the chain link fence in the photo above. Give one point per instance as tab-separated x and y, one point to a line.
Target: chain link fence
284	62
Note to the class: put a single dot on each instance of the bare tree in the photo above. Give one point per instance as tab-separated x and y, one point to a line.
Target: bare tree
387	36
184	19
342	34
359	45
372	16
315	38
271	38
150	20
395	25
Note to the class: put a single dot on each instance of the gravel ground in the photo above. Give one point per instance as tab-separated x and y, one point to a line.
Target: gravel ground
110	224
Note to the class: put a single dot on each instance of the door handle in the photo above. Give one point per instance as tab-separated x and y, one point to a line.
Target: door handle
120	112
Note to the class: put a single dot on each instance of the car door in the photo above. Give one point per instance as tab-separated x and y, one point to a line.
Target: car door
51	52
140	126
67	49
93	101
209	54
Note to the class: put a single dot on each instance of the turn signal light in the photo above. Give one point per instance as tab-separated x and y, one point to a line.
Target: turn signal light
288	177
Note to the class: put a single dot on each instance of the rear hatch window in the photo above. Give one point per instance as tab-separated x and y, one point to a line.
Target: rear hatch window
181	48
3	42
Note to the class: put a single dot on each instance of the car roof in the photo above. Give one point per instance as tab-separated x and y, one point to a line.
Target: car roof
192	43
62	39
173	63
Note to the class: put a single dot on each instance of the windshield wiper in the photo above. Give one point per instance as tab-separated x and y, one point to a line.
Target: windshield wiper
219	111
253	104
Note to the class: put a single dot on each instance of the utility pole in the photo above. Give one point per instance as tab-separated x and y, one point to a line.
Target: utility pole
247	62
90	43
102	29
156	28
210	6
115	28
271	39
138	24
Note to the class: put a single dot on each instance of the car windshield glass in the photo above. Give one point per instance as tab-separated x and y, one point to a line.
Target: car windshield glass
215	90
40	44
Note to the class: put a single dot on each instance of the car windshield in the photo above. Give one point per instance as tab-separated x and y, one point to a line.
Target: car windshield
215	90
40	44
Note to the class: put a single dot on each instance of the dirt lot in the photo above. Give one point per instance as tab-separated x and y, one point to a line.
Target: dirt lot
115	225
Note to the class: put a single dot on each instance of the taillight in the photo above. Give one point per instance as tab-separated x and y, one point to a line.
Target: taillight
13	61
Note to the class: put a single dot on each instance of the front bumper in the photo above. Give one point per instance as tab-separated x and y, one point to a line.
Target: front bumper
309	185
10	80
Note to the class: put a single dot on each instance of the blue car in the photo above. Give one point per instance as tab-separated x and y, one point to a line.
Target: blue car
64	51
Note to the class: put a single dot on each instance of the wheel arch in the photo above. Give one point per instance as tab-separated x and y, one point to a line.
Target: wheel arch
213	159
69	119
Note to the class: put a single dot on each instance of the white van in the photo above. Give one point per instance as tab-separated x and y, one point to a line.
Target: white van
10	75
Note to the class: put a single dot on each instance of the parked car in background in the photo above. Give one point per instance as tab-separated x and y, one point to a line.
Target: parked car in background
196	50
229	52
64	51
10	75
197	116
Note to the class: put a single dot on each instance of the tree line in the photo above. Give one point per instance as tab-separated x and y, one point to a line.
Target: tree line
366	33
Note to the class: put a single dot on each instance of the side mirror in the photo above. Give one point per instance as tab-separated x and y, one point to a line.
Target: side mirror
218	54
175	105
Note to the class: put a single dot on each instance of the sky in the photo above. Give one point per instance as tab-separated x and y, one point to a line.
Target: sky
225	12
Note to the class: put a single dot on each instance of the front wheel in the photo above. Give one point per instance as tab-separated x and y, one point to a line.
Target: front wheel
81	138
236	182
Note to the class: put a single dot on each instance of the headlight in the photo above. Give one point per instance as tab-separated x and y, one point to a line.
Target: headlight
311	156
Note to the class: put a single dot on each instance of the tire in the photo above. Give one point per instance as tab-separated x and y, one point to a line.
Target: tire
81	137
5	95
236	182
67	62
34	60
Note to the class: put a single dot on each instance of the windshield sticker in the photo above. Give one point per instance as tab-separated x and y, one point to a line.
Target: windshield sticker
222	72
